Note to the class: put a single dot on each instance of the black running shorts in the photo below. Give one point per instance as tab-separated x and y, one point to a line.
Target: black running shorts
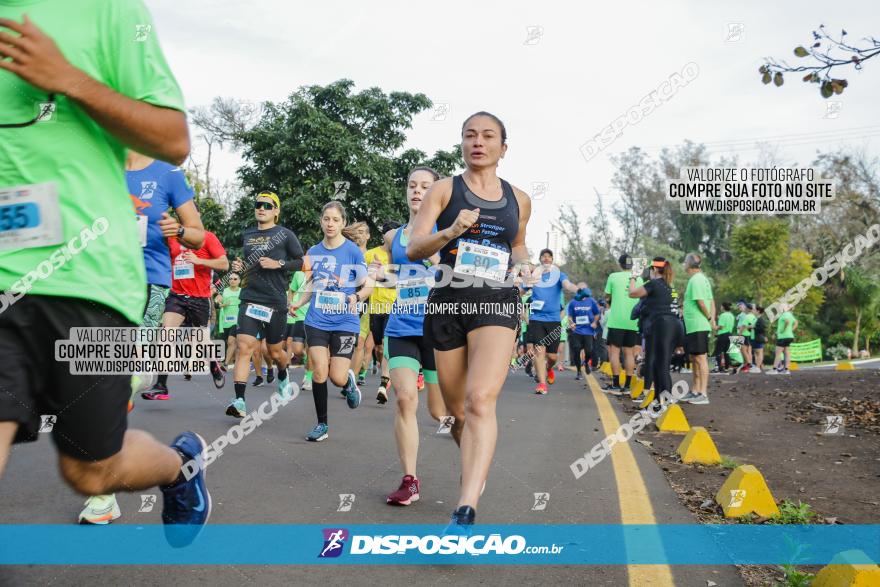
622	338
378	322
195	311
272	331
784	342
545	334
697	343
448	320
87	415
341	344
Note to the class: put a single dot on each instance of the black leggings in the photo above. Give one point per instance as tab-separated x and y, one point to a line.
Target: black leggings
722	345
578	343
661	343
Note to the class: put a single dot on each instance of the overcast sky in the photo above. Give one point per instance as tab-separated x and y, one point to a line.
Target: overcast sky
556	73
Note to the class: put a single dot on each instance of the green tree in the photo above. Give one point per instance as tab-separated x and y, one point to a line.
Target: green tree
764	266
863	292
328	142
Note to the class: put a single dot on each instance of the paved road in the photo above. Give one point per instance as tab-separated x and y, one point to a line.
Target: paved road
275	477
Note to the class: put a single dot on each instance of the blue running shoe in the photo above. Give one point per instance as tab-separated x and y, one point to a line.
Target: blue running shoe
318	433
236	408
352	393
462	523
187	505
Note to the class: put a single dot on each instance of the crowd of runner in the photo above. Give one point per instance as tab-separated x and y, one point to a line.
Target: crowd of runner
449	301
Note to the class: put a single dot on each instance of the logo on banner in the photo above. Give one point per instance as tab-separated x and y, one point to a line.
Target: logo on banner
334	541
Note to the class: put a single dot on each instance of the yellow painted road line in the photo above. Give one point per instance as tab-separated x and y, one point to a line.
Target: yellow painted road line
635	504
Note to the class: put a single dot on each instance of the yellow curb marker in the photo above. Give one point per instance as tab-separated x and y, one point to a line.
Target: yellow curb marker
673	420
697	447
851	568
746	492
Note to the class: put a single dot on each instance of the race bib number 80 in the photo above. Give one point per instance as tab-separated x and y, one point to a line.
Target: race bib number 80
481	261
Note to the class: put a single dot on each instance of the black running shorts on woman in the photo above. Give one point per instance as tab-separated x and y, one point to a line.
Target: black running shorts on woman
486	298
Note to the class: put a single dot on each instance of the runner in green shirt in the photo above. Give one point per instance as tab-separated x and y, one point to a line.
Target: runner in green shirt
296	332
746	329
785	327
724	329
699	319
623	331
228	318
79	83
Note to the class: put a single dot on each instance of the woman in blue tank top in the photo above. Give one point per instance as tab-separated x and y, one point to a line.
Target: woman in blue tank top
407	350
474	311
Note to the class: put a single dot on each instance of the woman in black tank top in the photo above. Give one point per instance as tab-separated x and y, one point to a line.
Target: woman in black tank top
473	312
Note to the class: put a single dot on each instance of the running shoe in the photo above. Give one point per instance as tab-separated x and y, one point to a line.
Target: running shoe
785	372
685	370
157	392
284	388
420	382
541	389
130	405
375	369
219	374
612	389
407	493
699	399
270	375
744	369
560	367
318	433
462	522
529	369
236	408
187	503
578	377
352	393
362	377
382	396
258	381
307	382
253	369
100	510
551	376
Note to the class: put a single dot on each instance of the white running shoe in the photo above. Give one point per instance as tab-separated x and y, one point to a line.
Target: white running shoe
100	509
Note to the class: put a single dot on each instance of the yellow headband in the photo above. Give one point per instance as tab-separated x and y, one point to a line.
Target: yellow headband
272	196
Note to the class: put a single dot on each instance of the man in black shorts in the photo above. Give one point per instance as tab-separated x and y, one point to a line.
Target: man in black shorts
623	331
271	253
79	262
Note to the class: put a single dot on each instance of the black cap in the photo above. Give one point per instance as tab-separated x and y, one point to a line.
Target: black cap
625	261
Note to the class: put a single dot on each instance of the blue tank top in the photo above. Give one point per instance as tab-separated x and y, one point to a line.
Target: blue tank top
408	312
483	245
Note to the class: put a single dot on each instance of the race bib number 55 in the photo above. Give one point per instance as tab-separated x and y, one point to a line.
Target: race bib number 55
30	217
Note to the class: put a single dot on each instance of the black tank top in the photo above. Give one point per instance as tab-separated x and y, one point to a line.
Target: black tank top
496	228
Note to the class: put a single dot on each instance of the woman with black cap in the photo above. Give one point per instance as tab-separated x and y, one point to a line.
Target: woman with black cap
660	324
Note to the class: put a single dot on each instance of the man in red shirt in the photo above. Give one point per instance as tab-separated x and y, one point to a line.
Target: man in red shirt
190	299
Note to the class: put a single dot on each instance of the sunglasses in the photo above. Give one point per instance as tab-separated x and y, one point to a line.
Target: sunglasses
264	206
47	108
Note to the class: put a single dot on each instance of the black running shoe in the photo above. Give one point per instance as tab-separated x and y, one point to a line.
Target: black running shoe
258	381
219	374
270	375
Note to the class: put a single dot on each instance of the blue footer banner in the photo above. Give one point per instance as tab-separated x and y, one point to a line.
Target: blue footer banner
353	544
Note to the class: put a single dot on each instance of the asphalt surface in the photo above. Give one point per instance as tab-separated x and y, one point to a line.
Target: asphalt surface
275	477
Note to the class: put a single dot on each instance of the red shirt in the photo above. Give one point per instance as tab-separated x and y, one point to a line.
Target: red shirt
190	279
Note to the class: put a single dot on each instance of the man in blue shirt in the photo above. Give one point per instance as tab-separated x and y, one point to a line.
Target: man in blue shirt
545	319
583	320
